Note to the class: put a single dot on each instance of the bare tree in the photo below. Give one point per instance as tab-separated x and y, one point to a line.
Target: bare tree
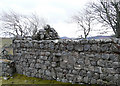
16	24
85	20
36	23
107	12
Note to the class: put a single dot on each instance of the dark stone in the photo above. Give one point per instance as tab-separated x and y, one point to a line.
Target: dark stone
78	47
47	33
86	47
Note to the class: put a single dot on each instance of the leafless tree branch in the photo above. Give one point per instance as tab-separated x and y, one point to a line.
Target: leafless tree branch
23	25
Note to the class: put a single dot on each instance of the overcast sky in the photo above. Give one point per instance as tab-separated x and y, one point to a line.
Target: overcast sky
57	12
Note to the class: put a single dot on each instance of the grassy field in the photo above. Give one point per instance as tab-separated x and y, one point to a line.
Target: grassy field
24	80
5	42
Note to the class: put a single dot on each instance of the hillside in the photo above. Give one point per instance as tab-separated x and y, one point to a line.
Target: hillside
94	37
99	37
6	42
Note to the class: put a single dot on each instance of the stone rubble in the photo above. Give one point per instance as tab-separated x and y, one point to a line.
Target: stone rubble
47	33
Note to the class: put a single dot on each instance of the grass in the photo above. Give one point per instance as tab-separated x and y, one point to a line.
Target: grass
5	42
24	80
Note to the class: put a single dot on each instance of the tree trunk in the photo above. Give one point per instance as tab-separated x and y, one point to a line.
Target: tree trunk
118	32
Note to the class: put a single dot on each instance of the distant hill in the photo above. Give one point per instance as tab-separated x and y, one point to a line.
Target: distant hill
94	37
99	37
64	37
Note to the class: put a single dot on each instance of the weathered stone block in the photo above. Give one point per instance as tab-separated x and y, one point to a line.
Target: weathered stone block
47	63
90	68
109	77
93	81
37	65
70	77
58	69
96	76
108	70
87	47
98	70
101	63
105	56
85	79
94	47
63	65
79	47
78	67
79	79
48	73
53	64
114	57
56	59
70	46
104	47
75	72
89	74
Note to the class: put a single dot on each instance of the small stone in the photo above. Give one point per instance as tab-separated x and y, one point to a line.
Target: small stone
63	65
113	57
79	79
77	67
48	73
47	53
5	78
109	77
104	47
93	81
98	69
89	74
86	47
85	79
11	77
70	46
110	70
58	54
93	63
101	62
94	47
78	47
54	64
26	81
75	72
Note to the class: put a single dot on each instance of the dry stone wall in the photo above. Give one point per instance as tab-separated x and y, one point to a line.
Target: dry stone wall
75	61
7	68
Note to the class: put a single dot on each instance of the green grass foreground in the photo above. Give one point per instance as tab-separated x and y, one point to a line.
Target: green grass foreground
24	80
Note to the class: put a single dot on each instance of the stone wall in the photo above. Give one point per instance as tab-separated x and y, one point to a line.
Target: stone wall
75	61
7	67
0	69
